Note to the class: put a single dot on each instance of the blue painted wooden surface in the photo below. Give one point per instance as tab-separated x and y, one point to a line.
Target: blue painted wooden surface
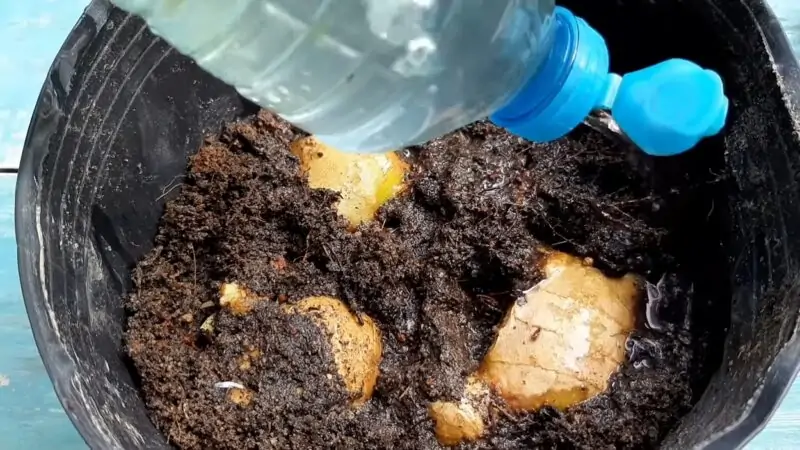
31	32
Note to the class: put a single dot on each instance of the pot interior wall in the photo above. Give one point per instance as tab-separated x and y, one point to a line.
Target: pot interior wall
745	253
121	112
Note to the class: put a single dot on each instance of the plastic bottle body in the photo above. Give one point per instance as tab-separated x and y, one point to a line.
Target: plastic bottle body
363	75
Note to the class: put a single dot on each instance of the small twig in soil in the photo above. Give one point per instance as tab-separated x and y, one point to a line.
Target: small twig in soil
576	155
331	255
308	245
194	261
553	229
405	392
137	276
503	411
169	187
170	439
611	218
632	219
488	301
632	201
711	211
167	193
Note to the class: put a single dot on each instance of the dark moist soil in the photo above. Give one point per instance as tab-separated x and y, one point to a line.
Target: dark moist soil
436	271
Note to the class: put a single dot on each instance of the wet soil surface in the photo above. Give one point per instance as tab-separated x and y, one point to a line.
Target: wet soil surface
436	271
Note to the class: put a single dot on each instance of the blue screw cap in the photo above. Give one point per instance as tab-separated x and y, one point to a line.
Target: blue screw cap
572	81
666	109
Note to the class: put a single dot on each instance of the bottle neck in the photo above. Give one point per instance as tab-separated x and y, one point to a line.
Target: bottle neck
572	81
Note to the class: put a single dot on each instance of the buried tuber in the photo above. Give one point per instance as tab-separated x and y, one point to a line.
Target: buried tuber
557	346
462	421
355	340
364	182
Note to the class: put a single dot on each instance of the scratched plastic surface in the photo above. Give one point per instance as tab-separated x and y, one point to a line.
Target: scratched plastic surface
366	75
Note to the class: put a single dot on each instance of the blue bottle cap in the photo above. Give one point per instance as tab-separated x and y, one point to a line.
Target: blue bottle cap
665	109
572	81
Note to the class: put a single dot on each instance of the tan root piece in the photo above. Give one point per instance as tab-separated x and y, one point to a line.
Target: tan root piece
355	340
237	299
364	181
241	397
557	346
246	361
356	343
462	421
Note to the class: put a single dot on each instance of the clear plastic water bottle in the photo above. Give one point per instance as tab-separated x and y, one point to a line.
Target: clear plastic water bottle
378	75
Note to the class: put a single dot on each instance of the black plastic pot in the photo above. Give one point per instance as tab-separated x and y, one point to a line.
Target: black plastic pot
121	111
